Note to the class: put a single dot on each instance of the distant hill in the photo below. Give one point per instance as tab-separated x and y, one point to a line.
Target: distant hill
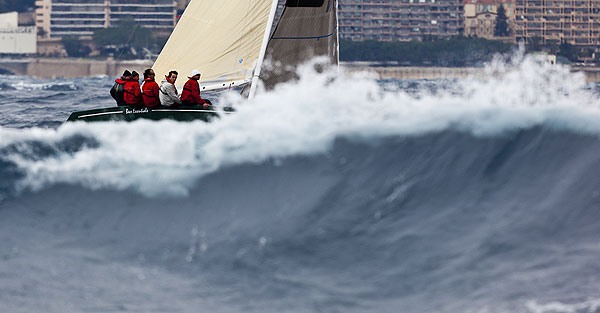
16	5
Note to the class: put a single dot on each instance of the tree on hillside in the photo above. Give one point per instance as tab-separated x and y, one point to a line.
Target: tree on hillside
534	43
458	51
501	28
124	36
16	5
74	47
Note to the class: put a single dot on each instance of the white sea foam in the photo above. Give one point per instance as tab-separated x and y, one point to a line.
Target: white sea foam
305	117
590	306
27	85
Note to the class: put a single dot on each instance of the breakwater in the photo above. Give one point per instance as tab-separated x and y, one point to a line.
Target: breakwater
415	72
49	68
592	74
52	68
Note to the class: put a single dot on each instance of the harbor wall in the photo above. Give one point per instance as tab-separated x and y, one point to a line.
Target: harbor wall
70	68
415	72
52	68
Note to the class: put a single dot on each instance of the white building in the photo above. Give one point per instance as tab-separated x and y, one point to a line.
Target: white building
60	18
15	39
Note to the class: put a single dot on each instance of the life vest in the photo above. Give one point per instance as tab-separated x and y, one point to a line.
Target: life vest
118	91
150	92
133	94
191	93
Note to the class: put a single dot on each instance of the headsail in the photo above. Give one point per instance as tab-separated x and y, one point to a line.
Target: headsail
221	38
306	28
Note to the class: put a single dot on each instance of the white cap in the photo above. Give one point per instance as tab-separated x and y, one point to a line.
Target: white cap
194	73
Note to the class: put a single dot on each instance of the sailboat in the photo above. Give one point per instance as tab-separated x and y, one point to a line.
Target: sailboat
229	41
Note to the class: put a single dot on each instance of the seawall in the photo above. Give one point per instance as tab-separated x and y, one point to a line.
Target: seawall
418	72
47	68
52	68
415	72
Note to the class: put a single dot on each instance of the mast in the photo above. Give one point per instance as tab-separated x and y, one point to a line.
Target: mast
337	30
263	50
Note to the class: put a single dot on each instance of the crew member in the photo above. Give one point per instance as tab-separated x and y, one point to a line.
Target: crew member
150	90
191	92
133	94
168	93
118	89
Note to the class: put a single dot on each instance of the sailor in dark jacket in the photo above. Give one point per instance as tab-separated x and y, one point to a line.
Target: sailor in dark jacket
118	89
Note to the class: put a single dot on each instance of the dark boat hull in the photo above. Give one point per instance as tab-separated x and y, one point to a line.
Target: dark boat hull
126	113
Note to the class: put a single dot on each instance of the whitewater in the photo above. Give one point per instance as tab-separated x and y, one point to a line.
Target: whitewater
335	193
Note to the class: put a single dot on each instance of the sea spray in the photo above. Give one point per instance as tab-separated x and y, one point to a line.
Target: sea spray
302	118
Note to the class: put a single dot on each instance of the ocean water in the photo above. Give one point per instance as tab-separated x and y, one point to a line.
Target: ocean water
331	194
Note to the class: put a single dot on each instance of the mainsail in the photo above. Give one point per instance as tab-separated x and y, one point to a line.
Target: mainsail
306	29
224	39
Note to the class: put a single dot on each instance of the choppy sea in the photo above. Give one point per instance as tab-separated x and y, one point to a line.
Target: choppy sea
330	194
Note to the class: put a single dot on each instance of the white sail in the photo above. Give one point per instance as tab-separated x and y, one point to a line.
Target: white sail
220	38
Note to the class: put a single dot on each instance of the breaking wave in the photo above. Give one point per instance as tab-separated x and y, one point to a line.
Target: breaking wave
302	118
334	194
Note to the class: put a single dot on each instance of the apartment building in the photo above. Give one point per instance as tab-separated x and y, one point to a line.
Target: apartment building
404	20
480	16
58	18
576	22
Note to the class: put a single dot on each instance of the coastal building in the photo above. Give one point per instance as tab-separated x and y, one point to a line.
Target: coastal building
404	20
480	16
15	39
558	21
392	20
58	18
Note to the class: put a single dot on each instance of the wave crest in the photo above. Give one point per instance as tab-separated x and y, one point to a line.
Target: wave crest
299	118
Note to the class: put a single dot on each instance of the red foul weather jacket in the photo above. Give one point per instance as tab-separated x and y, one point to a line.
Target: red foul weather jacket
191	92
150	92
133	94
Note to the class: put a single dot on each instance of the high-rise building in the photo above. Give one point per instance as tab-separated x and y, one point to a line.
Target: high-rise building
576	22
389	20
58	18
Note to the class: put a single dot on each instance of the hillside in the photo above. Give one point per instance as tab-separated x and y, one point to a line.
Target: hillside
16	5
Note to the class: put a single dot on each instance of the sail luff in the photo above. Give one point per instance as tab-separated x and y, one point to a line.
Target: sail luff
263	50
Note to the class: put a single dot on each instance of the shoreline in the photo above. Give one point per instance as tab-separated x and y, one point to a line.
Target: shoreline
53	68
592	74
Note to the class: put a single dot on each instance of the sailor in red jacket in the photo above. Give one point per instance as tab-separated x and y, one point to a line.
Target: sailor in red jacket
133	94
150	90
191	92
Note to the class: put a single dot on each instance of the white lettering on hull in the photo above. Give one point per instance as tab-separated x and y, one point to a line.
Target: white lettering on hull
134	111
